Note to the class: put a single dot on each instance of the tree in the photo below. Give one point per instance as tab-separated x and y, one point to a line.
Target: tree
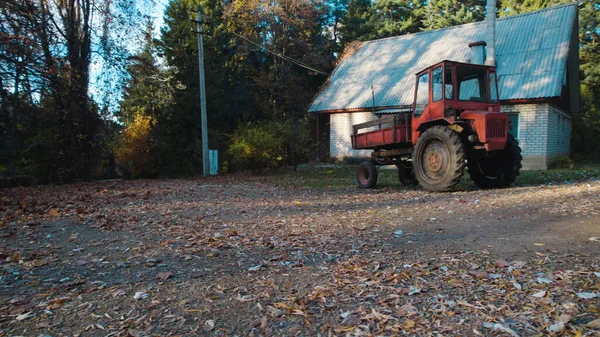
394	17
512	7
355	25
51	45
444	13
292	29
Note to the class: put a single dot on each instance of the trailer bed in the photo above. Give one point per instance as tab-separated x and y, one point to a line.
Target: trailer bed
384	132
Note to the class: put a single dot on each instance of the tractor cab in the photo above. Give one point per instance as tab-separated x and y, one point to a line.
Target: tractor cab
454	93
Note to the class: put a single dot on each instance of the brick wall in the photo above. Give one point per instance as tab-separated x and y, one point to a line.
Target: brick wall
544	134
340	144
559	134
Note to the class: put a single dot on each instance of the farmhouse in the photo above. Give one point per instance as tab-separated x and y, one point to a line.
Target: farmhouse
537	62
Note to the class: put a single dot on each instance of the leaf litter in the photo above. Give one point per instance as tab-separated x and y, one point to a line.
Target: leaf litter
244	255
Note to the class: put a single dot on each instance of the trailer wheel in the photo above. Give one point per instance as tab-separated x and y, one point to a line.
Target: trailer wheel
406	174
439	159
497	171
366	176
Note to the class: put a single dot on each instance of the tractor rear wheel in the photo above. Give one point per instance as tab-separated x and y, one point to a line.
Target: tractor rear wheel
499	170
439	159
406	174
366	176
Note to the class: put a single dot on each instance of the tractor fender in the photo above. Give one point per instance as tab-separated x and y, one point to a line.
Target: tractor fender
449	122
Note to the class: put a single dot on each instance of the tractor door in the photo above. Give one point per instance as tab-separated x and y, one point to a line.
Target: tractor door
421	103
433	88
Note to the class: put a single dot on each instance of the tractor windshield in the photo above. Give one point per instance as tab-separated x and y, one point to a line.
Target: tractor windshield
471	84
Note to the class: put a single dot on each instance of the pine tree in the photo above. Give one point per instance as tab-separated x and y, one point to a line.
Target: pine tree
355	25
394	17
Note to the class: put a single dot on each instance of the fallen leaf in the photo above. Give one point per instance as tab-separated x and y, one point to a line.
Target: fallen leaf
164	275
139	295
543	280
595	324
586	295
254	268
540	294
209	325
501	263
25	316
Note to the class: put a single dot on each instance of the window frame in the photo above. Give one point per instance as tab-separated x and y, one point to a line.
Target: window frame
441	91
416	104
495	82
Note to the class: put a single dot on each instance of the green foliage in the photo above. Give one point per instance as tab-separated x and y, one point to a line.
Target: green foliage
445	13
298	142
256	147
512	7
565	163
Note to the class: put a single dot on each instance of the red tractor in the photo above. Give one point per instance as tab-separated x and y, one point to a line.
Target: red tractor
455	121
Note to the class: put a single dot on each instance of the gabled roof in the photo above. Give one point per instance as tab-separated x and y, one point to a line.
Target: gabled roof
532	51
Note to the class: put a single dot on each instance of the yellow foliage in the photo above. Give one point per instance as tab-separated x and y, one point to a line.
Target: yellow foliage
133	154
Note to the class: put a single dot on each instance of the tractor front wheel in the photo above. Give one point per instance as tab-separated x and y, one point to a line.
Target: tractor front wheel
499	170
439	159
366	176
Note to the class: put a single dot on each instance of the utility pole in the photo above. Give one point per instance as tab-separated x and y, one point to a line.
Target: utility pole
204	129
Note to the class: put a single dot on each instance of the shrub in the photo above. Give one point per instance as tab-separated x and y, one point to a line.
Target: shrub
565	162
256	147
298	141
132	155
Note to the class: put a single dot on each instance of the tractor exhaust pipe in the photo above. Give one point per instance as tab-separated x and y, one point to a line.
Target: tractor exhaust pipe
490	33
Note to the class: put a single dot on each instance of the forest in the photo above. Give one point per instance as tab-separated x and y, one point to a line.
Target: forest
91	89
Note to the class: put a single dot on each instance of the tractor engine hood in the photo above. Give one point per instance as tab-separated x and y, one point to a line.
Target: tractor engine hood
491	127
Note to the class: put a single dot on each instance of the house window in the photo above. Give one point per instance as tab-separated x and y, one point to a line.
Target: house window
422	94
437	84
513	124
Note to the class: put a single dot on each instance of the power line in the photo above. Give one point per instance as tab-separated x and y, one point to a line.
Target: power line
287	58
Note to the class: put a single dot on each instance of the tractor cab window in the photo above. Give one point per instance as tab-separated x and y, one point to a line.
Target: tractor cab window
422	94
437	84
471	84
449	85
493	88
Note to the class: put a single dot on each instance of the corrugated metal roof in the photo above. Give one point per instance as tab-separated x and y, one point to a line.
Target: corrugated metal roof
531	54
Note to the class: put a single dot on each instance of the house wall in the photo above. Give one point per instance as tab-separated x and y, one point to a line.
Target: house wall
340	144
544	134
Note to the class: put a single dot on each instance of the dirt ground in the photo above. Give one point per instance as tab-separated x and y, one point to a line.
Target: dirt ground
251	256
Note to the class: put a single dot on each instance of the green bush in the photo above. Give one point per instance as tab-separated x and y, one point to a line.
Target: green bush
565	163
297	141
256	147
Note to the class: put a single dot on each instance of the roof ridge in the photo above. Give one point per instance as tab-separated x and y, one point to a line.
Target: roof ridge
474	23
426	32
